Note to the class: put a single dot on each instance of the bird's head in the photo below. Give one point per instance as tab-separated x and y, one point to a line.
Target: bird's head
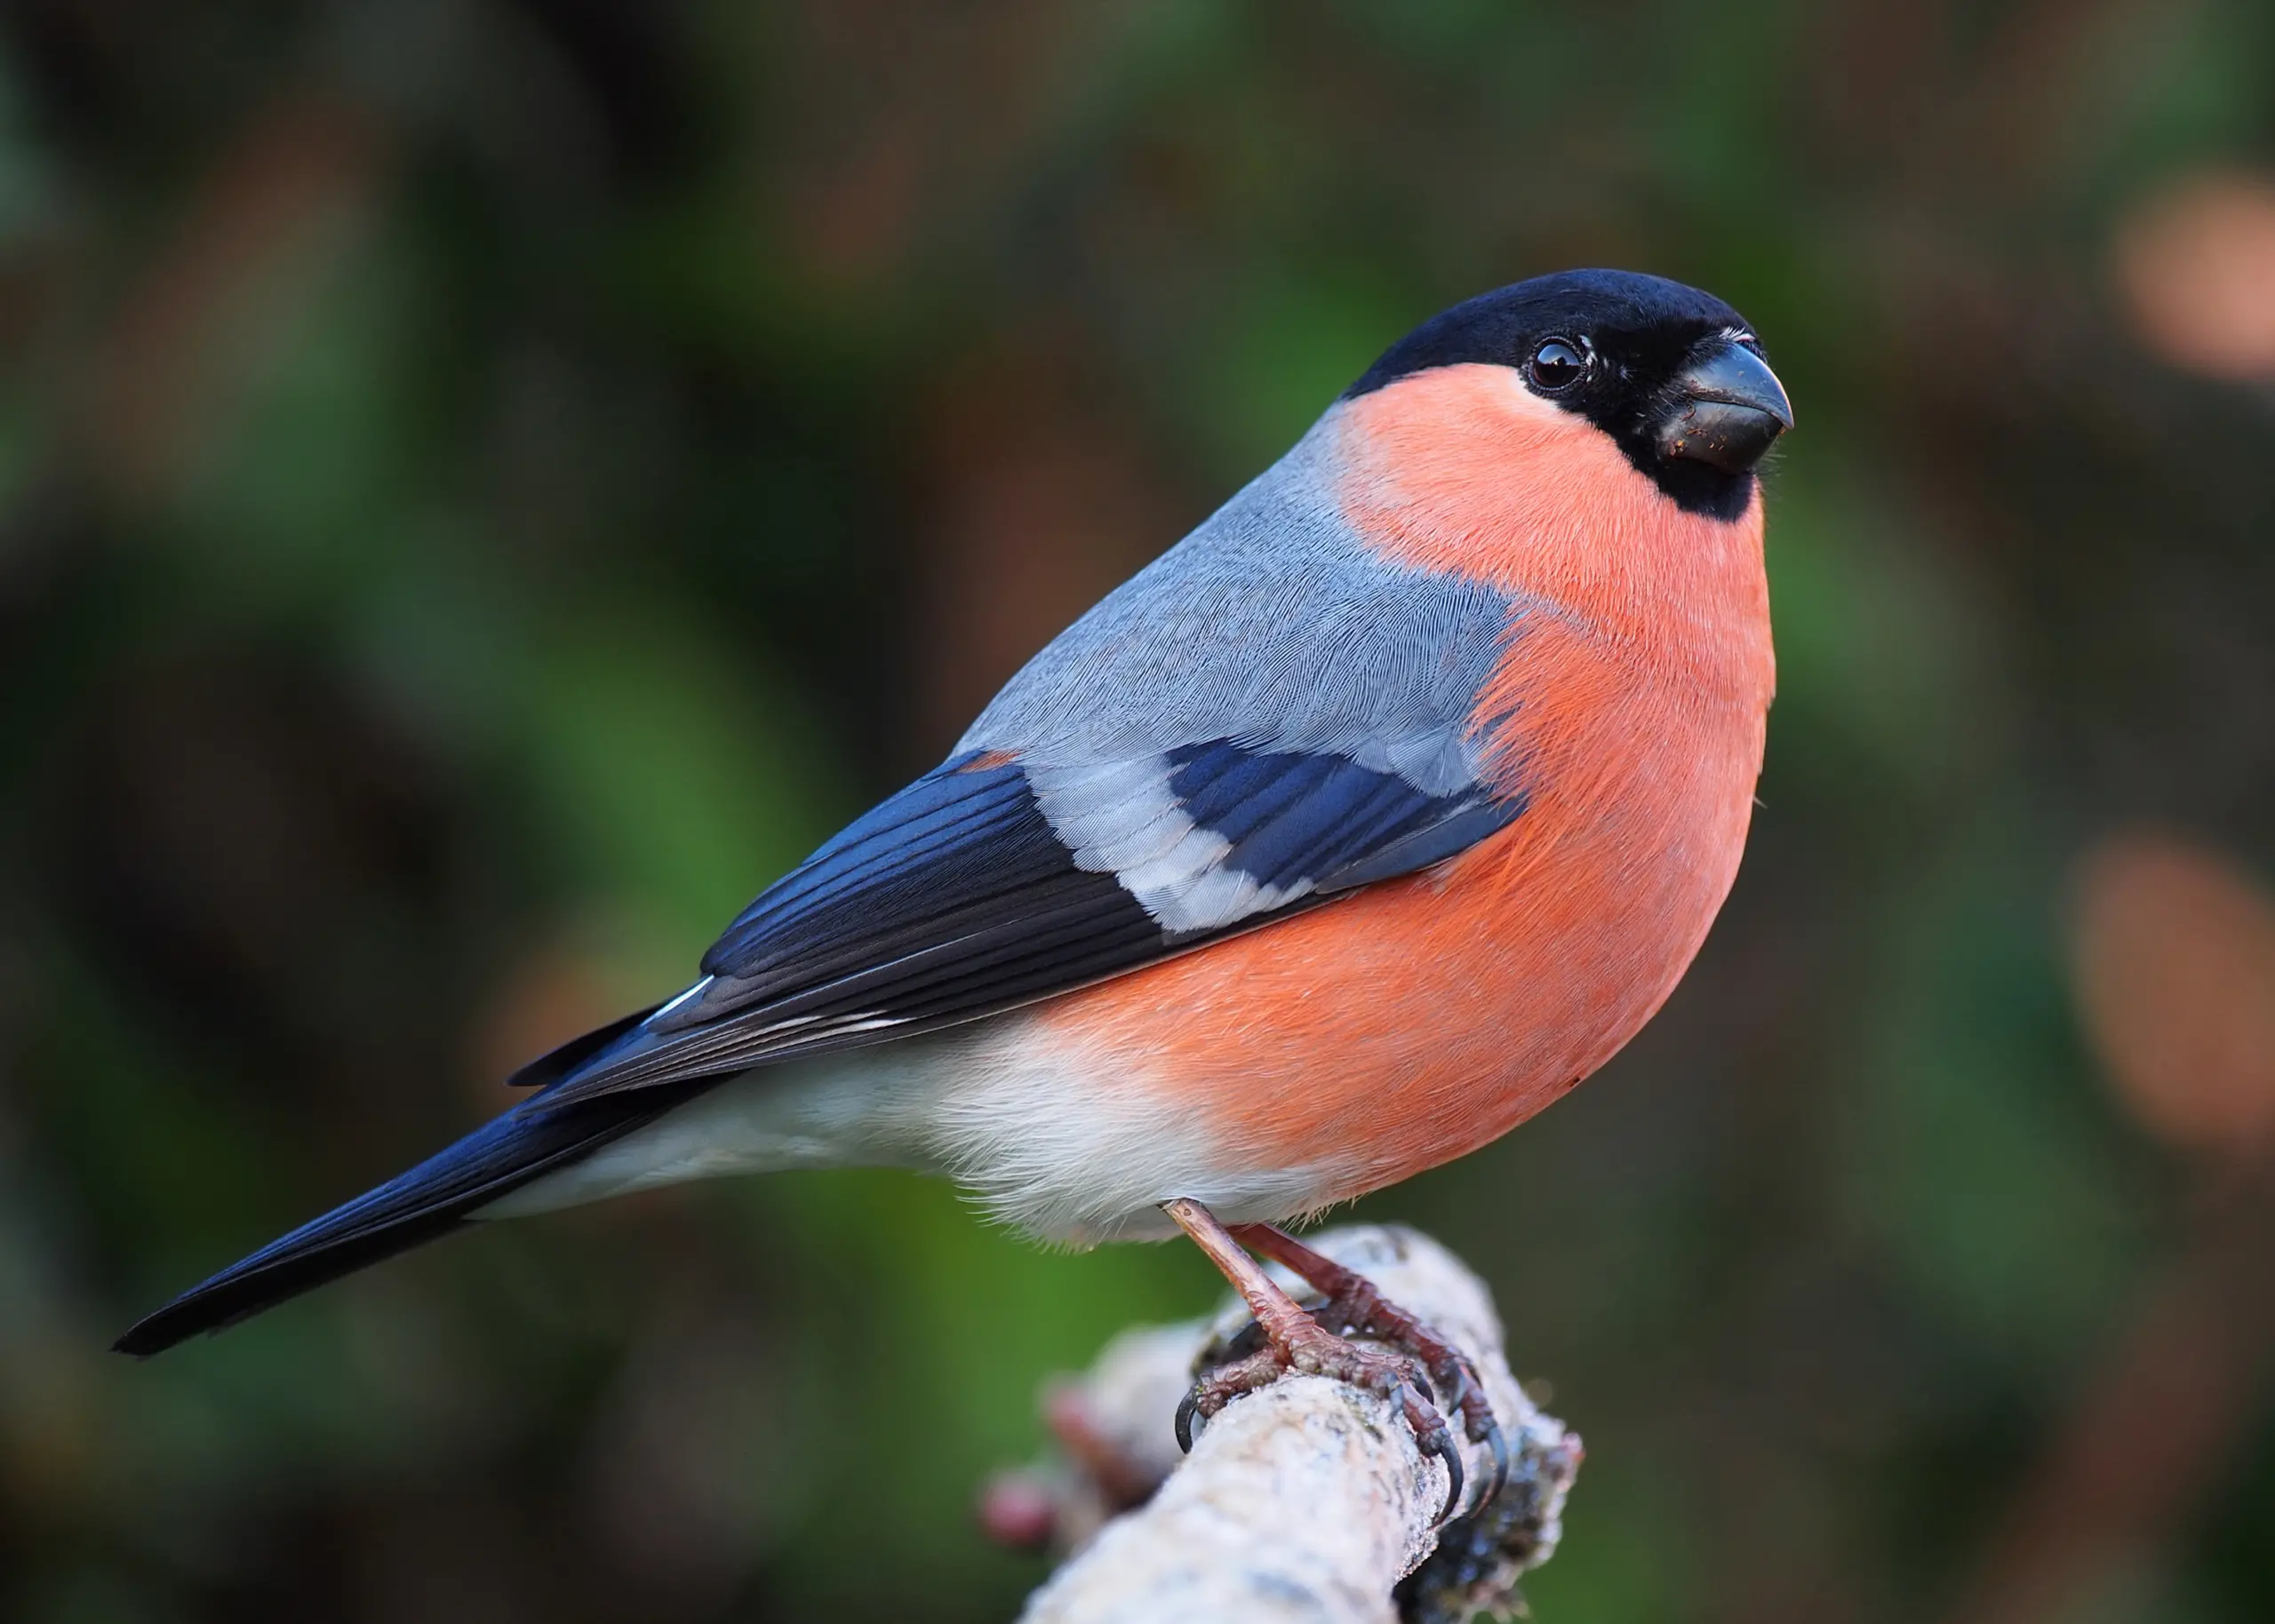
1674	377
1588	439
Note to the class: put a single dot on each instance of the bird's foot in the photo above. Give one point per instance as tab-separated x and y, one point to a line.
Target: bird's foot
1353	1305
1285	1339
1257	1357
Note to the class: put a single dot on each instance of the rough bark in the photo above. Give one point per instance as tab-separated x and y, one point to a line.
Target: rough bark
1306	1501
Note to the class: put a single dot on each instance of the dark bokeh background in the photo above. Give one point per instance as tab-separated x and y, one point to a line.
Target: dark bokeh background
485	485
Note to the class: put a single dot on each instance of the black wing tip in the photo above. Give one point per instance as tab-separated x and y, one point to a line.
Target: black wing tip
225	1300
201	1310
432	1199
152	1336
232	1297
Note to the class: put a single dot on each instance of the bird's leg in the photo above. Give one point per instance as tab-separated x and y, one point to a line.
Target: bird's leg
1356	1306
1290	1340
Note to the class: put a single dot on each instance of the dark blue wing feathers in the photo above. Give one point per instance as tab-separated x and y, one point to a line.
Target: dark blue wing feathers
1295	818
945	820
957	898
1426	845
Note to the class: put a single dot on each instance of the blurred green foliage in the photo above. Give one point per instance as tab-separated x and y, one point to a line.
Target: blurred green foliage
486	484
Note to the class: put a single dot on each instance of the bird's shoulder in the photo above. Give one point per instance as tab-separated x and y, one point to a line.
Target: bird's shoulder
1272	623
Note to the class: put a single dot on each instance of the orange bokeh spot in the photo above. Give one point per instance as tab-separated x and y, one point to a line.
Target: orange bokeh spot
2196	262
2172	952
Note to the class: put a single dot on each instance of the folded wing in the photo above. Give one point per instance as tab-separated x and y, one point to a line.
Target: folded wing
988	884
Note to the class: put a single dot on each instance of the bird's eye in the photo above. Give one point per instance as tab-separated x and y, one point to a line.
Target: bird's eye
1556	364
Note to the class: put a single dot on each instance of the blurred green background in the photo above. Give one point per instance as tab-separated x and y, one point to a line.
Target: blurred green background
487	484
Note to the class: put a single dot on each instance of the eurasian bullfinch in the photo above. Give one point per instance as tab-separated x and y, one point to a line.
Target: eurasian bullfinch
1358	827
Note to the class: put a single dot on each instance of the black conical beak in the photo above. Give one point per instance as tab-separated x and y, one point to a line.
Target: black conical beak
1728	408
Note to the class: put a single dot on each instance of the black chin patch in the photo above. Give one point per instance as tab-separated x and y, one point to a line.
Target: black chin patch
1693	487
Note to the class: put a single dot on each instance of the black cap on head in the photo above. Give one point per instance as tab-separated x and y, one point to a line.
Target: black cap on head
1674	375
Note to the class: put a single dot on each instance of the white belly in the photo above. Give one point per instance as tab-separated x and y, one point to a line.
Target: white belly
1066	1144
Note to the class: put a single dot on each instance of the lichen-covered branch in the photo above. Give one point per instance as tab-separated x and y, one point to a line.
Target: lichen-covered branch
1306	1501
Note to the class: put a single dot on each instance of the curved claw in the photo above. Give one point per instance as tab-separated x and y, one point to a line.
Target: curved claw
1499	1480
1431	1432
1453	1476
1481	1427
1187	1409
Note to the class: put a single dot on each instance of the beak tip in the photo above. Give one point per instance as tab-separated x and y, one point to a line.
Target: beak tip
1729	411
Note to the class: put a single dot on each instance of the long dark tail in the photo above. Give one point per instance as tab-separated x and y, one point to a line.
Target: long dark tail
409	1210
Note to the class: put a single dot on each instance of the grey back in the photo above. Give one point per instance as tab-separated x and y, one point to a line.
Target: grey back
1271	625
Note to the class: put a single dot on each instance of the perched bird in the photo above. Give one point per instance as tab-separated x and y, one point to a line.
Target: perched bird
1354	830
